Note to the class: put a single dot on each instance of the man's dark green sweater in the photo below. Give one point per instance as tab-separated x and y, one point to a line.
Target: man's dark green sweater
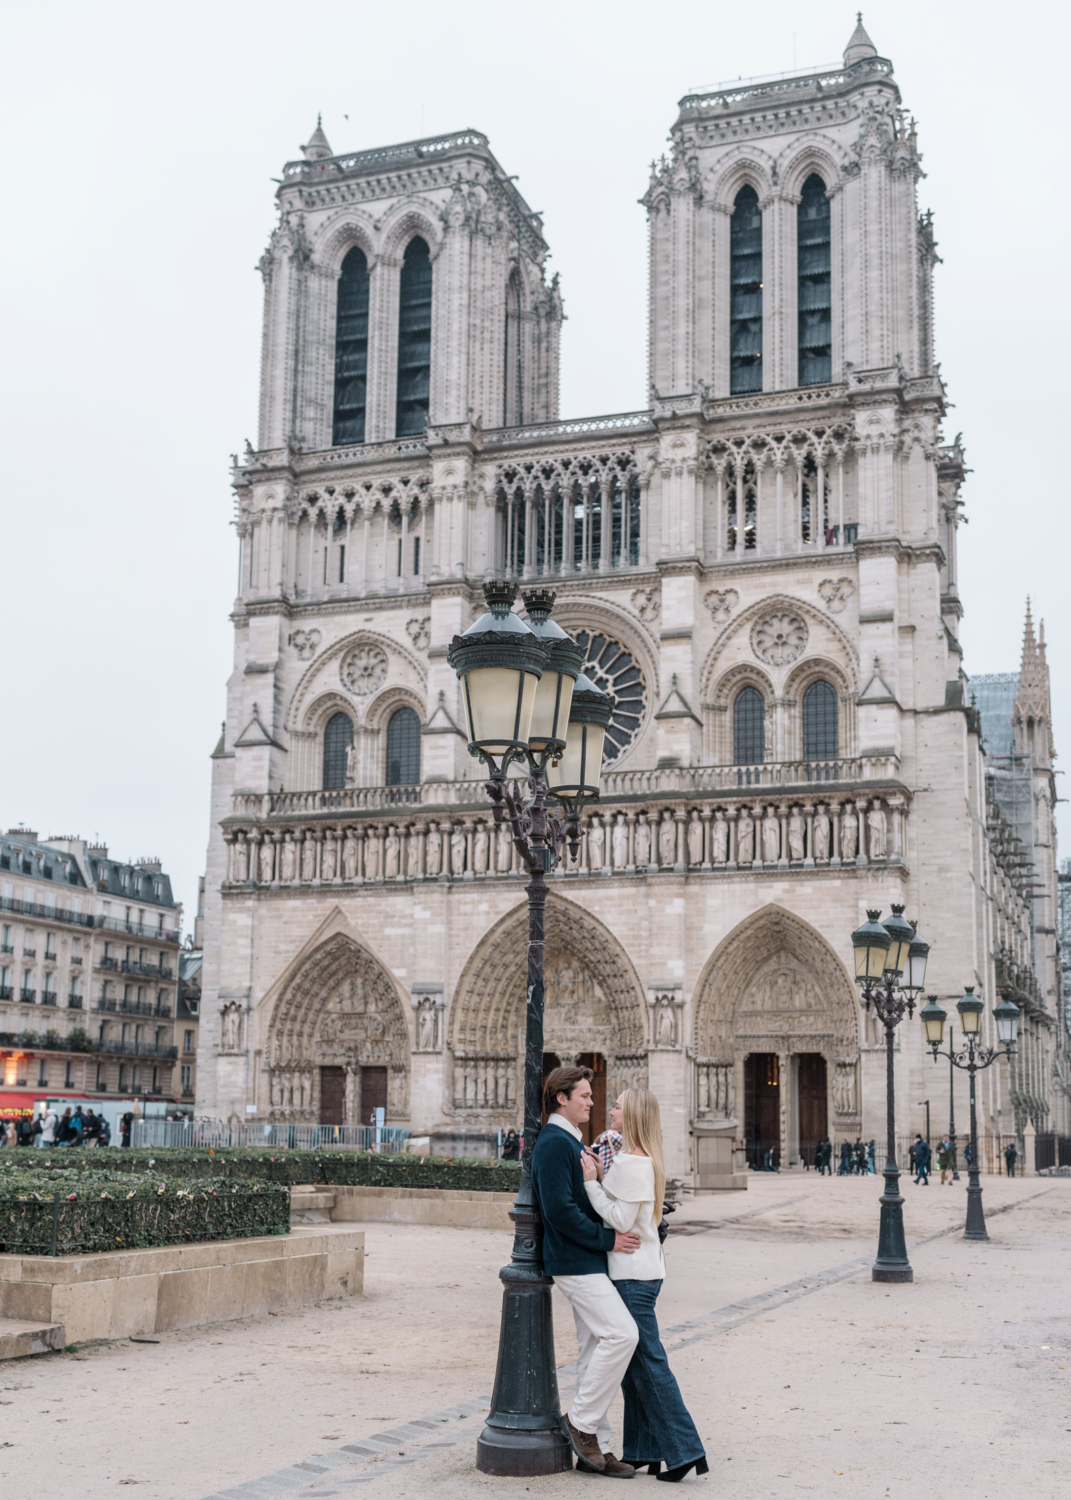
575	1240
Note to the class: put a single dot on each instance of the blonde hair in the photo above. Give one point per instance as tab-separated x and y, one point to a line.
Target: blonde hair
641	1125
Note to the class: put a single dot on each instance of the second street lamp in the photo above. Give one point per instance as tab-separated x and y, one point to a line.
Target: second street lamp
526	700
972	1059
890	968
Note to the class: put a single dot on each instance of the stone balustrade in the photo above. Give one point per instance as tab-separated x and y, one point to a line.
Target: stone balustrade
767	831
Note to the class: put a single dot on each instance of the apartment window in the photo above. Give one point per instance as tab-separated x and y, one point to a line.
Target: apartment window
102	1078
351	349
107	950
42	1072
187	1078
187	1041
156	1080
135	1077
5	983
122	1078
814	285
338	736
414	340
29	943
76	950
5	939
68	1076
50	946
749	727
161	999
125	1036
745	310
76	905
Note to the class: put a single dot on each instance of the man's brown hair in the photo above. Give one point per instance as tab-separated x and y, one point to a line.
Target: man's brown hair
562	1081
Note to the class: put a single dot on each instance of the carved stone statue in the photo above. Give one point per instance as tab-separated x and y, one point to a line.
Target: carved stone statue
391	855
619	842
695	839
267	860
371	855
351	763
328	861
877	830
241	860
849	831
596	842
412	863
771	838
480	848
844	1089
433	854
821	833
308	858
426	1025
643	842
349	856
457	850
288	860
745	838
665	1025
503	848
719	836
230	1032
667	841
796	835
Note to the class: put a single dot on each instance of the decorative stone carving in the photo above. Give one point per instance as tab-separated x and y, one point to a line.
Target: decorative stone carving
795	836
695	839
596	842
267	860
364	669
230	1027
241	860
305	643
821	833
877	831
429	1013
771	838
433	858
778	639
844	1087
721	603
745	838
667	841
480	848
308	858
716	1092
643	842
835	593
349	856
351	763
647	604
503	848
419	632
288	871
849	833
329	857
619	841
719	834
392	851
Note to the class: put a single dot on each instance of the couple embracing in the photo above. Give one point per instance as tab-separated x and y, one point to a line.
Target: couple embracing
602	1246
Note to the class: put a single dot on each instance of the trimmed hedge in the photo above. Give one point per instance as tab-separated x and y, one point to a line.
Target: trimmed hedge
263	1164
84	1210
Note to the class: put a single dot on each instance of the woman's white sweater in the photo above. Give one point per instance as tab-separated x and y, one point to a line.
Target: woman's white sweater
624	1200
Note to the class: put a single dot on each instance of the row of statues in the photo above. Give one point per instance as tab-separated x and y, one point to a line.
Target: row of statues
855	831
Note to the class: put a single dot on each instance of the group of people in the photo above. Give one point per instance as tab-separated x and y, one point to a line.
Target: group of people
603	1232
75	1127
855	1159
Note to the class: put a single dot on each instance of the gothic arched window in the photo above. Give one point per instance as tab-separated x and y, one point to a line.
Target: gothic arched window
814	315
749	727
820	722
338	737
745	308
414	340
351	349
403	748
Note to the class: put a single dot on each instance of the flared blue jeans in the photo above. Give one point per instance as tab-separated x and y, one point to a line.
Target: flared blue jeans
657	1423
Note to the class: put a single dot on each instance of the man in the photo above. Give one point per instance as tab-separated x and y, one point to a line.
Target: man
923	1154
126	1124
575	1242
1010	1157
944	1159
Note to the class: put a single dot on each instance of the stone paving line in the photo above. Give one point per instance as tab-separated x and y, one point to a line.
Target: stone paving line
293	1481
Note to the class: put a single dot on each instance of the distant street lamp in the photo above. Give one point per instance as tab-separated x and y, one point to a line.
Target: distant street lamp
527	701
972	1059
890	968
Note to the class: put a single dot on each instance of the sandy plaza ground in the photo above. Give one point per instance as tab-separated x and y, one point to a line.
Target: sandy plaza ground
804	1376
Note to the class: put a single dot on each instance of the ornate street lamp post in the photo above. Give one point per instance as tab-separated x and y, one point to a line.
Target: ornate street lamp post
527	701
972	1058
890	968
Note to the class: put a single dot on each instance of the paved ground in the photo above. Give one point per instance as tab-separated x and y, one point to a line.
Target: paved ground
804	1377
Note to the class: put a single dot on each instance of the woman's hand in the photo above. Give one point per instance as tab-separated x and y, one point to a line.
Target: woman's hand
588	1167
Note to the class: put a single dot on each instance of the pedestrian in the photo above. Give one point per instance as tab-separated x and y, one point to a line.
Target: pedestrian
845	1167
48	1128
859	1158
126	1124
92	1128
658	1427
870	1158
575	1246
105	1132
944	1159
63	1129
922	1155
77	1135
1010	1156
511	1146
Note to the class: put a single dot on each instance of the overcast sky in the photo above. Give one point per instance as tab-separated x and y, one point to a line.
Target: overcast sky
139	146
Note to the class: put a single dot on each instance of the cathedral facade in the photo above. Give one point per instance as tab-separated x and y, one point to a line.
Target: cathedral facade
760	566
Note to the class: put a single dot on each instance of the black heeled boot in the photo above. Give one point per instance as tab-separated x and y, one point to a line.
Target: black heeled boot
674	1476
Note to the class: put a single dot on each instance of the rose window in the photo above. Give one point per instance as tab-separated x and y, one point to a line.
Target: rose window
613	668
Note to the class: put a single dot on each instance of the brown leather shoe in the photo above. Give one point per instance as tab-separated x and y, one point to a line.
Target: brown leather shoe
617	1467
584	1445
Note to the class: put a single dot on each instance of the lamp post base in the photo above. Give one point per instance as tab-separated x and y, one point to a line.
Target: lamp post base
975	1229
892	1263
522	1455
882	1272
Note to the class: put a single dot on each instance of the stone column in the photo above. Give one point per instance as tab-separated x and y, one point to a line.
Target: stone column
705	814
809	851
630	819
834	834
782	817
681	863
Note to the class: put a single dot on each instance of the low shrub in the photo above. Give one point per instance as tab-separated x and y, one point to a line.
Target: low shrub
80	1210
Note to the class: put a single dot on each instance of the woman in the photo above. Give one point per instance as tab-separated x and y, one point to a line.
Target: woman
657	1425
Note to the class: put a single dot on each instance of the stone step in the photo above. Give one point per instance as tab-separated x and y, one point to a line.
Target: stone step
308	1205
19	1338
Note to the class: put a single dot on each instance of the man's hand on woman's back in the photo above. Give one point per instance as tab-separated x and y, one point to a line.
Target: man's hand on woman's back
626	1244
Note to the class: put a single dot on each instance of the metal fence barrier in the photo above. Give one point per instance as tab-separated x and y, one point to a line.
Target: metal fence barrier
219	1134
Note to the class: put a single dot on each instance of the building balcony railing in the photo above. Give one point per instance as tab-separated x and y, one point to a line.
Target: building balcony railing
6	992
107	962
29	952
46	913
135	1049
149	971
74	1002
137	929
6	948
76	958
49	997
29	996
134	1008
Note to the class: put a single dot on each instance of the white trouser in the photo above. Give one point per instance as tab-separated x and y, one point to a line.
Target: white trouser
606	1333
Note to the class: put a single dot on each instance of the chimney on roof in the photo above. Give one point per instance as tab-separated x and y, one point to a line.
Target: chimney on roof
22	833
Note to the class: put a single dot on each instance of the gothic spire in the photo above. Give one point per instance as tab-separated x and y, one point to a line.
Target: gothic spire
316	147
860	45
1032	714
